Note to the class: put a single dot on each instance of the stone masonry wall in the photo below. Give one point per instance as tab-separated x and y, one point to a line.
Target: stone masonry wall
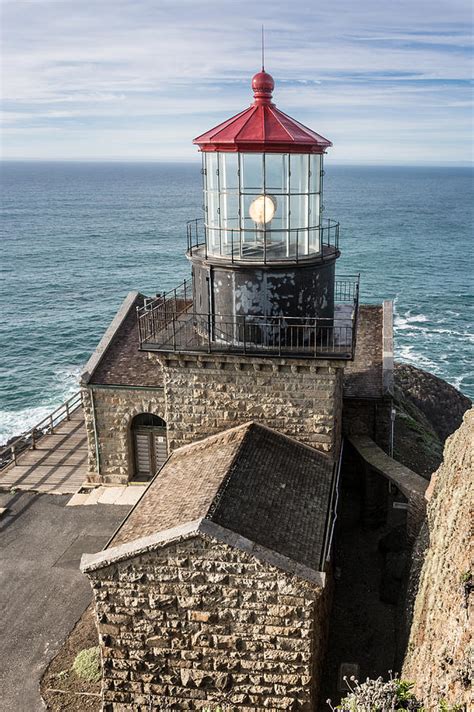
114	410
208	394
370	418
440	655
199	624
205	395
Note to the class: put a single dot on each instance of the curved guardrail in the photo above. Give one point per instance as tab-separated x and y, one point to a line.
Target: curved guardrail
237	249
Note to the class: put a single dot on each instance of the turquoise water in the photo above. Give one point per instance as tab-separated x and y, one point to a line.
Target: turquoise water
76	237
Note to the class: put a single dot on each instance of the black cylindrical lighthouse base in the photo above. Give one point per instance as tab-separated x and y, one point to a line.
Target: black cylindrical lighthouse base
255	299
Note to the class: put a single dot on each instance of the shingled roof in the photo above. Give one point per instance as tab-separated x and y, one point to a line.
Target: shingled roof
117	359
252	481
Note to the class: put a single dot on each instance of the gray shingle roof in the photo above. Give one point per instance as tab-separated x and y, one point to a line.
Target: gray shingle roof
123	363
251	480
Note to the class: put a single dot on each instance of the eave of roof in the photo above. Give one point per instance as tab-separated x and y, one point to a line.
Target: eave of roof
262	127
207	529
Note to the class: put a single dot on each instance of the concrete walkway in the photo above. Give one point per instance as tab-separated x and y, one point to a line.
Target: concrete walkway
42	591
127	495
58	465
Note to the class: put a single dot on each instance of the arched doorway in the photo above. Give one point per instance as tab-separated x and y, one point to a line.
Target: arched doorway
149	444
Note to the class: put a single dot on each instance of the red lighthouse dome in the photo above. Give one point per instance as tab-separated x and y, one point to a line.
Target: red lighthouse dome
262	128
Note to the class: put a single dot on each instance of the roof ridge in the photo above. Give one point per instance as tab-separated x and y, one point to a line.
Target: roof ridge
209	439
210	133
251	111
218	497
275	114
303	126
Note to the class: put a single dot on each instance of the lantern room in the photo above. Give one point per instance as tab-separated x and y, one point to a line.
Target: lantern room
262	183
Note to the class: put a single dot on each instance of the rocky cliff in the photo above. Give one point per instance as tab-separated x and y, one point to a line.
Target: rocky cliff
428	411
440	649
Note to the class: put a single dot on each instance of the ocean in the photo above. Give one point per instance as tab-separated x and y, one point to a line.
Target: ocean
76	237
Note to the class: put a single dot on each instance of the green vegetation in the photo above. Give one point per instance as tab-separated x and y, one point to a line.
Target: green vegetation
87	664
444	707
378	695
393	695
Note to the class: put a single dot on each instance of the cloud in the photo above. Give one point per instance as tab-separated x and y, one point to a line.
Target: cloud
86	67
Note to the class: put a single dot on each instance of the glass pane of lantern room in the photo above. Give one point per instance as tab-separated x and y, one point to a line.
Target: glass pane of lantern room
299	167
276	173
315	177
229	171
229	214
277	230
299	224
211	164
251	172
212	212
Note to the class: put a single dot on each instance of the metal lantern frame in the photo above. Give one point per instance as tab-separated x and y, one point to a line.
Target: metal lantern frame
292	235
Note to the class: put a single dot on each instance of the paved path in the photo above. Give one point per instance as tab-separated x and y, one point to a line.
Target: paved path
42	591
58	465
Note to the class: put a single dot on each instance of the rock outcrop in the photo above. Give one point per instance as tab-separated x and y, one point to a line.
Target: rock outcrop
440	649
428	411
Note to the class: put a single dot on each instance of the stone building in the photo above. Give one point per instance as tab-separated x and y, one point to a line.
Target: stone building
214	590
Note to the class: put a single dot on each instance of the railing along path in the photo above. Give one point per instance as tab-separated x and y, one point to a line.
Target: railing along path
46	426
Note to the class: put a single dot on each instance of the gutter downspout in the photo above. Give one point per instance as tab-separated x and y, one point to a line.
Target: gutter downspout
327	553
96	436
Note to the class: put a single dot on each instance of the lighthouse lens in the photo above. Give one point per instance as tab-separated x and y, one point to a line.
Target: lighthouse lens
262	209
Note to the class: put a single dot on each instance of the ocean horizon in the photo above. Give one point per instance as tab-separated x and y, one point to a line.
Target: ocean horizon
79	235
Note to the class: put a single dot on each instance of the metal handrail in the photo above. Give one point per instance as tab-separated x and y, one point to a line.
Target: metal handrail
46	426
196	234
163	319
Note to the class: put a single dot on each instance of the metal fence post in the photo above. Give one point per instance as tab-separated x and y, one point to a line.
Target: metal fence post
174	332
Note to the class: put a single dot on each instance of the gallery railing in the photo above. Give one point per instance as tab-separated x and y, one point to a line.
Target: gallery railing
169	323
262	244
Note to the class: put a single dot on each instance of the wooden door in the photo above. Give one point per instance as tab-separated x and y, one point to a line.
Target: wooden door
150	451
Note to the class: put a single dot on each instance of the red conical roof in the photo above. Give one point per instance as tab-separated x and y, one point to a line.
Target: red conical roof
262	128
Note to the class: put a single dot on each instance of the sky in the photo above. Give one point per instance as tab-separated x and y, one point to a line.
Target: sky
388	81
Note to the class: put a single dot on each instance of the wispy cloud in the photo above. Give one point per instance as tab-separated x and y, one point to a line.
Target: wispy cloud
140	78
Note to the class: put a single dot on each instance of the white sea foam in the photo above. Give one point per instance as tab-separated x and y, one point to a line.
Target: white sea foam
16	422
407	353
409	321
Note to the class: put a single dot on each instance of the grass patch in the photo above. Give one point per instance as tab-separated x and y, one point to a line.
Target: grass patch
86	664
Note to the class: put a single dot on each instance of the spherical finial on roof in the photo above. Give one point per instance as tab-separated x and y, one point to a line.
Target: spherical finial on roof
263	85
